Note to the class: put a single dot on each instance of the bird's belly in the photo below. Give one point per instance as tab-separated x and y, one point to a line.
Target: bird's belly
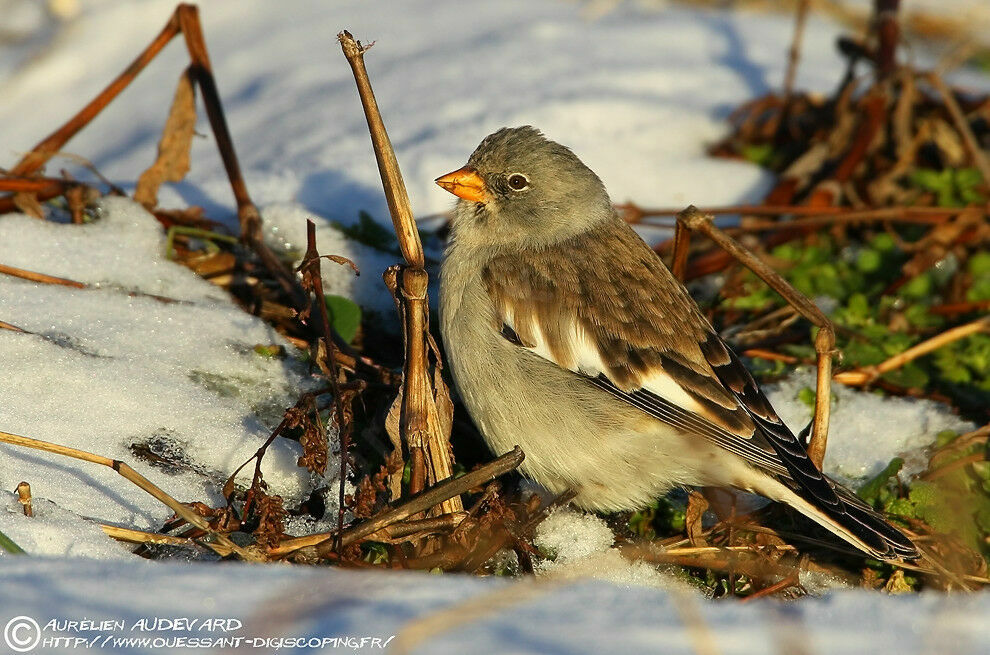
575	436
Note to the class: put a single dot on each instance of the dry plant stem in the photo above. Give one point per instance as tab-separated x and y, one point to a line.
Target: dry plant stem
868	374
32	185
792	580
13	328
247	214
977	153
961	308
888	34
39	277
705	550
750	560
954	466
429	449
795	52
395	533
388	166
682	245
312	259
980	435
759	353
139	480
24	496
416	388
825	341
635	213
429	498
41	188
142	537
886	214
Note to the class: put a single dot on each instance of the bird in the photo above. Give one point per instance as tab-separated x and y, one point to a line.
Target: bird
567	335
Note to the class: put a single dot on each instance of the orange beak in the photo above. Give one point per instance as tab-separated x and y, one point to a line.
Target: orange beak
465	183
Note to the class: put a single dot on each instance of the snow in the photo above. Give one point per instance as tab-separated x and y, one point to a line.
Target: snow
441	614
637	92
867	430
105	371
52	530
579	546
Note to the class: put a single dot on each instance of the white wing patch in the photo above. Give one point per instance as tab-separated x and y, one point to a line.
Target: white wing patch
581	355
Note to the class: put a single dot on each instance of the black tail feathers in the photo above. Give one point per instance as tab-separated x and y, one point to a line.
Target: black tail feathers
883	539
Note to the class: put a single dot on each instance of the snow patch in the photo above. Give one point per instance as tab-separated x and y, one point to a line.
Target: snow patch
866	430
171	385
581	547
53	531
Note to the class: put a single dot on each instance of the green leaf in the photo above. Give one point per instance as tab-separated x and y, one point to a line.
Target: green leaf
271	351
8	545
345	316
920	286
901	507
883	242
930	179
868	260
375	552
870	491
979	264
979	290
760	154
910	375
807	397
945	437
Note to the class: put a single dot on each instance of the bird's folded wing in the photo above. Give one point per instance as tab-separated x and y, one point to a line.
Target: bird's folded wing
633	331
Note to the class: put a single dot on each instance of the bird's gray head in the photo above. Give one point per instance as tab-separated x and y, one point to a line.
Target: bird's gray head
521	189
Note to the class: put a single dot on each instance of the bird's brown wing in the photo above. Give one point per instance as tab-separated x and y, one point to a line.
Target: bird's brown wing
605	307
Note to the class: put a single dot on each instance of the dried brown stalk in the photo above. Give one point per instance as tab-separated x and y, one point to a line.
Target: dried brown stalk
980	435
975	151
141	537
432	497
792	580
888	31
24	496
425	432
754	561
794	54
13	328
867	374
633	213
39	277
141	482
411	530
759	353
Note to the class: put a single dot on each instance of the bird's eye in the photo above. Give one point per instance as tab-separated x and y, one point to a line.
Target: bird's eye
518	182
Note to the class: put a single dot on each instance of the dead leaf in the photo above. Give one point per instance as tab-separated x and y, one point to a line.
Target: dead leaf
173	149
696	508
392	427
445	406
896	584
